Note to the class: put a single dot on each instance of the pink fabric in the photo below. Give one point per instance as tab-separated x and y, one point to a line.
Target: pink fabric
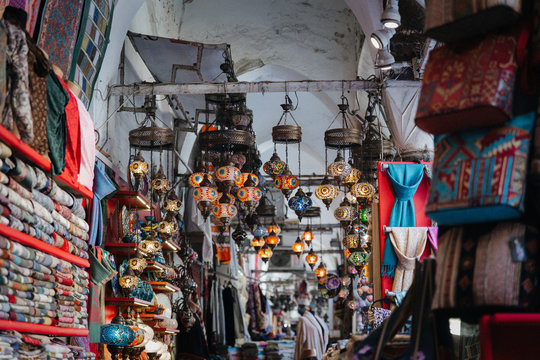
19	4
88	147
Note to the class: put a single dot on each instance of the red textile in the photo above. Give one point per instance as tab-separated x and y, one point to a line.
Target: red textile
73	144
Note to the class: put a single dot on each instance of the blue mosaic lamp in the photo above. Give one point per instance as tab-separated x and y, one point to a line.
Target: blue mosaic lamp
300	202
116	335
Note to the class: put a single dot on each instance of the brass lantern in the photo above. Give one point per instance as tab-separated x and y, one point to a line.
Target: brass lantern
257	243
250	195
307	235
273	227
352	178
172	204
286	182
311	259
272	240
160	185
326	192
339	169
345	213
298	247
205	194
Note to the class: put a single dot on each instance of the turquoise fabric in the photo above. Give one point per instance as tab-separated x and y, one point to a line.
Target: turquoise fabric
103	187
405	179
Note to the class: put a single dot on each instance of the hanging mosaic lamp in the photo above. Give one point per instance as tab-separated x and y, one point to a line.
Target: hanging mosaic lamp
138	166
148	333
352	178
300	202
308	235
224	210
150	246
265	253
250	195
238	159
139	333
345	213
239	235
197	178
260	231
326	192
172	204
272	240
274	167
321	271
339	169
358	259
137	264
298	247
226	176
160	185
205	195
243	178
168	226
286	182
257	243
363	192
128	282
273	227
311	259
351	240
351	303
116	335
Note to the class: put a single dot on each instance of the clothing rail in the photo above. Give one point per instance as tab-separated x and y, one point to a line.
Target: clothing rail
228	276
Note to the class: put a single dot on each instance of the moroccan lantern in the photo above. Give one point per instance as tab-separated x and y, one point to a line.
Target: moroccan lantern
286	182
160	185
298	247
274	167
307	235
265	253
273	227
249	195
363	192
339	169
197	178
226	177
224	210
239	235
300	202
272	240
345	213
320	271
351	240
257	243
352	178
243	178
172	204
326	192
311	259
205	194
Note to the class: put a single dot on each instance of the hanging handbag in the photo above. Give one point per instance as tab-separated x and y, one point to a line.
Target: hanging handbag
377	315
380	343
454	20
479	175
469	85
487	266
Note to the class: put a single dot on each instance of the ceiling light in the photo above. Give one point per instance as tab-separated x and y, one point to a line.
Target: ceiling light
384	60
381	38
390	18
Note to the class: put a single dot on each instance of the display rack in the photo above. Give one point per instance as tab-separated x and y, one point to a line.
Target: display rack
28	240
163	287
123	301
31	155
154	266
166	331
41	329
133	200
170	245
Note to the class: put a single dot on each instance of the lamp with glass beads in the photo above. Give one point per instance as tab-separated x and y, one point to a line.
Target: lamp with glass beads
257	243
226	176
321	271
205	195
352	178
311	258
345	213
273	227
275	166
300	202
265	253
138	167
326	192
308	235
298	247
250	195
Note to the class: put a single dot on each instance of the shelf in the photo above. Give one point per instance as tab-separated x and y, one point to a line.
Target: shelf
170	245
163	287
166	331
132	199
126	249
154	266
128	302
41	329
31	155
152	317
25	239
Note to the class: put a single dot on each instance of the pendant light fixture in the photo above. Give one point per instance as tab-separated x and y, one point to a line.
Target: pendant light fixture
275	166
257	243
298	247
273	227
326	192
339	169
321	271
345	213
205	194
311	258
249	194
272	240
352	178
265	253
307	235
300	202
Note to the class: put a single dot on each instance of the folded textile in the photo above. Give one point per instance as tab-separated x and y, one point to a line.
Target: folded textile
409	244
43	200
19	189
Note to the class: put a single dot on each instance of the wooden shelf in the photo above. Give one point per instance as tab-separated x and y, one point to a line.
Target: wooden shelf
163	287
166	331
28	240
152	317
132	199
41	329
125	249
128	302
170	245
154	266
32	156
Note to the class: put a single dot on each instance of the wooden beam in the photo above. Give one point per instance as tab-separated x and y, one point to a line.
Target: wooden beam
240	87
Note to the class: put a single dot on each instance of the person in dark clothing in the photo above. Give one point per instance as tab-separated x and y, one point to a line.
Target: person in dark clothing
192	344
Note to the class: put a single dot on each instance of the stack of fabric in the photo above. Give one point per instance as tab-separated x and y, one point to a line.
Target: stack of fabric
80	293
33	203
26	284
9	346
14	345
279	350
271	351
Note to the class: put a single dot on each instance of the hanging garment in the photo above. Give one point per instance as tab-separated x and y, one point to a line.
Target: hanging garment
432	235
88	147
3	56
103	187
73	141
405	180
228	308
240	329
309	335
57	100
409	244
18	108
191	344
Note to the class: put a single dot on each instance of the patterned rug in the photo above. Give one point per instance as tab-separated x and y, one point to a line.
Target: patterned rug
91	46
58	33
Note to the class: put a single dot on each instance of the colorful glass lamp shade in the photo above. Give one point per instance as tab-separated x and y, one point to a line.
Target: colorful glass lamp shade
257	243
272	240
321	271
138	167
243	178
339	169
286	182
345	213
205	195
239	235
307	235
128	282
260	231
172	204
226	176
273	227
326	192
265	253
352	178
160	185
274	167
168	226
351	241
298	247
137	264
300	202
311	259
116	335
224	211
249	195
